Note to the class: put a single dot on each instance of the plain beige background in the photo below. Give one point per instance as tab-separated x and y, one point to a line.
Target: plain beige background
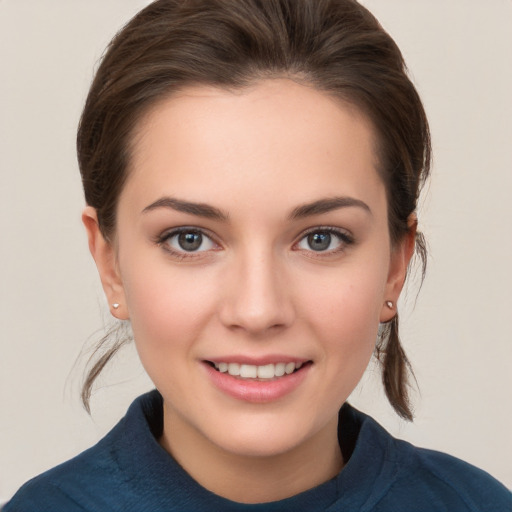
458	336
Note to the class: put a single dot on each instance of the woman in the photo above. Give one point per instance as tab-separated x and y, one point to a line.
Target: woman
252	174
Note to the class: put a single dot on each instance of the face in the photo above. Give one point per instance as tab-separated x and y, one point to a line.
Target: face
252	237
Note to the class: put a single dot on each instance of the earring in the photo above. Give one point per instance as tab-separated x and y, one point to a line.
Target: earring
389	304
115	305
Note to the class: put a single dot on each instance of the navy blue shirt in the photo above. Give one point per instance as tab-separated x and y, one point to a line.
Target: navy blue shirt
129	471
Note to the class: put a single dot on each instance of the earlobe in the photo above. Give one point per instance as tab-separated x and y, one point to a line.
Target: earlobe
400	257
104	255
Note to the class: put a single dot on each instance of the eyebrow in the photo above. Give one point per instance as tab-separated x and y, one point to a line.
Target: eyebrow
210	212
327	205
199	209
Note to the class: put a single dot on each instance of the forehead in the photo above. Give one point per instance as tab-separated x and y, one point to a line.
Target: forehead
275	135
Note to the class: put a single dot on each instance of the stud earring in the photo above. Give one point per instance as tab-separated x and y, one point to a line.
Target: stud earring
389	304
115	305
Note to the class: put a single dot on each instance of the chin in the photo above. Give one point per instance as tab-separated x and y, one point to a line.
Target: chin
263	435
249	443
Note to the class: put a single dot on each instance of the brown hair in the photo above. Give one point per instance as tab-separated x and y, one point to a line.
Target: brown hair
337	46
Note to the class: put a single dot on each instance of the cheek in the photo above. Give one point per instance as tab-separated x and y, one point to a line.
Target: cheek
344	312
352	298
167	306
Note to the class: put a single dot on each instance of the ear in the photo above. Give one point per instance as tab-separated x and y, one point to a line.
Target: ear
105	257
401	255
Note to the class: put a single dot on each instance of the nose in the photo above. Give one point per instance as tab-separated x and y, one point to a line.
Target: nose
257	296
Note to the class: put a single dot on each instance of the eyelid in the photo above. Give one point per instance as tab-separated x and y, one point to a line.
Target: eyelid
346	239
181	254
342	232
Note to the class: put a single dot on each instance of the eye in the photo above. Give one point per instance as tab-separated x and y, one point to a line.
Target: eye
187	241
324	240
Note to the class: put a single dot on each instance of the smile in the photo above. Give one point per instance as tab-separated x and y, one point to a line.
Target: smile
257	383
264	372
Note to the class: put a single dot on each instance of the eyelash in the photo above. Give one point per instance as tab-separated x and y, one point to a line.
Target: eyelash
344	238
163	240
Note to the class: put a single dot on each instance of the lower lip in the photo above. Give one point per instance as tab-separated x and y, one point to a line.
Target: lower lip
257	391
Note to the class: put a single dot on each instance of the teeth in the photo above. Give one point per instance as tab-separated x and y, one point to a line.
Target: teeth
266	372
234	369
250	371
289	368
279	370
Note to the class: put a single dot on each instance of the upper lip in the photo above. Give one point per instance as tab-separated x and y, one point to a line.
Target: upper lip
257	361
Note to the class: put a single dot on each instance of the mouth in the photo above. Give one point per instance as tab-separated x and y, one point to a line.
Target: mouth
269	381
264	373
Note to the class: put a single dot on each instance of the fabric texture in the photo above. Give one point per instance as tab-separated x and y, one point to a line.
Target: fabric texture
129	471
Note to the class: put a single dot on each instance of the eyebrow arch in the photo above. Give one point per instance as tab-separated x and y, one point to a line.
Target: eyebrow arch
327	205
199	209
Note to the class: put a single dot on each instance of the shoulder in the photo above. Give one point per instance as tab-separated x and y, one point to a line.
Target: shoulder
87	481
401	477
69	485
432	480
42	495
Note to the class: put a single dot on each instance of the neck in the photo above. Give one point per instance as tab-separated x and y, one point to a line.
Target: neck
253	479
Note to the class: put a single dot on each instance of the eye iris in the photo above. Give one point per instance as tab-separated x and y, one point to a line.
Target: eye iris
190	241
319	241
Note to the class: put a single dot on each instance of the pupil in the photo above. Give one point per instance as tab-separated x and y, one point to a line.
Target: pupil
319	241
190	241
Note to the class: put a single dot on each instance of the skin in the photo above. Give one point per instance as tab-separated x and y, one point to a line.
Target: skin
258	288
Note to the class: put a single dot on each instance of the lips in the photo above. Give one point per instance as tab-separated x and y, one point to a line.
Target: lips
257	383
